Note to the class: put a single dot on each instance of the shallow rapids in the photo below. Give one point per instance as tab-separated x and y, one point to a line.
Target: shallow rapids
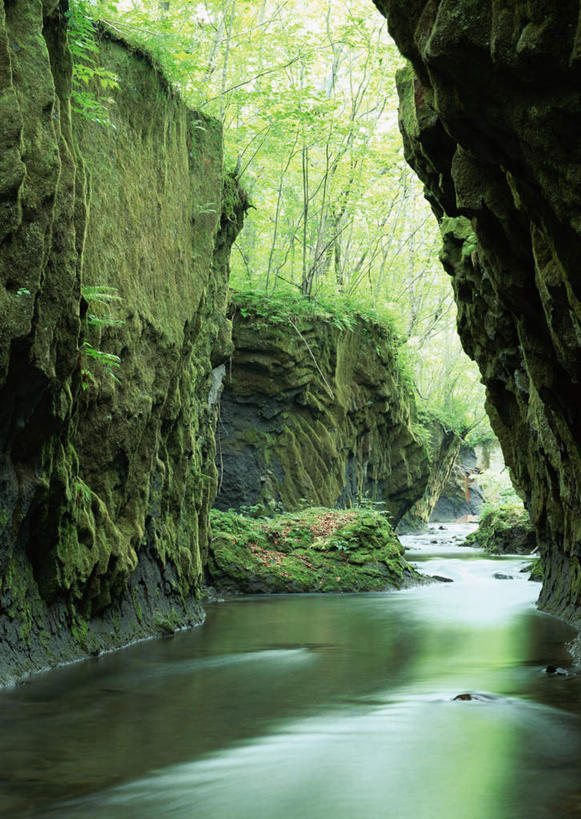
316	707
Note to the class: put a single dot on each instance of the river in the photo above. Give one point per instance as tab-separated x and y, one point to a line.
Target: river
316	707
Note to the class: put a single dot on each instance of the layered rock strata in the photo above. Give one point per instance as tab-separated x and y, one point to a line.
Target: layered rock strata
461	495
319	415
444	446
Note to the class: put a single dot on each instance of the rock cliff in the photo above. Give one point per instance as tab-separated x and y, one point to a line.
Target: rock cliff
490	117
316	414
461	494
105	486
443	448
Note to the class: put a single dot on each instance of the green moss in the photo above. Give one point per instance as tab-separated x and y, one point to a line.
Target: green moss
20	597
537	572
507	529
334	418
168	624
108	477
136	604
80	630
313	550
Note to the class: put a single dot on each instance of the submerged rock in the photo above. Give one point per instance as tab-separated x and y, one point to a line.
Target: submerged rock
316	550
556	671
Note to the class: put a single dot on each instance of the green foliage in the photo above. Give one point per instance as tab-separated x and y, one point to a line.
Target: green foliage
285	305
90	80
504	529
102	296
498	489
108	361
308	101
99	296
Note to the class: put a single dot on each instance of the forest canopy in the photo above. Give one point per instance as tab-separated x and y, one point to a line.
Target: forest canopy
306	94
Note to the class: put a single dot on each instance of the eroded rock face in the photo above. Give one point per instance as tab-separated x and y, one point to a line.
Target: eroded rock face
444	446
317	415
490	122
461	496
104	491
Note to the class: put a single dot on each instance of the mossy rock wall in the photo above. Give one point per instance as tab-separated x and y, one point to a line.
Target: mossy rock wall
490	115
444	446
104	492
319	415
460	495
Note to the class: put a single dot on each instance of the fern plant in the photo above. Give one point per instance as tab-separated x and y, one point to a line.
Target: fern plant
105	297
87	73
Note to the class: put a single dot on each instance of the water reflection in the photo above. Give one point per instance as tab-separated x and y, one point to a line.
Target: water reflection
326	706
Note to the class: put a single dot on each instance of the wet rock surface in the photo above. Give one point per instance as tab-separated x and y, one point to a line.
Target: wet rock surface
489	115
316	417
105	486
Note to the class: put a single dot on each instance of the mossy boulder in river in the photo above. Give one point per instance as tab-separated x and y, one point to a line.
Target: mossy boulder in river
323	550
506	530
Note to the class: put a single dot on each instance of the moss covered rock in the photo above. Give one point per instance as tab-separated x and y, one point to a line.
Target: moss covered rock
315	550
316	413
105	486
443	448
490	109
506	530
536	571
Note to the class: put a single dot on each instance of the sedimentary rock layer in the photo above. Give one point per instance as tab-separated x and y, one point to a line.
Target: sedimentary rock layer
490	117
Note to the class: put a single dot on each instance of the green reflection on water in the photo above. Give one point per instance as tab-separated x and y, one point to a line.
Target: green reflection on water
324	706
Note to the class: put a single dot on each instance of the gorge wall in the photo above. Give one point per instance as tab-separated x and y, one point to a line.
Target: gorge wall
105	486
490	116
461	494
314	414
443	448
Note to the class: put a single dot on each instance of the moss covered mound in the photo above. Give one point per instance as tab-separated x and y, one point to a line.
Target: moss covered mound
315	550
316	411
506	530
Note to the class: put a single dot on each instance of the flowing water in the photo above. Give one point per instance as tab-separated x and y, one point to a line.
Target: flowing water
316	707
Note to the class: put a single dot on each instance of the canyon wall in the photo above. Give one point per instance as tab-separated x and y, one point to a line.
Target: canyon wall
319	415
114	242
489	113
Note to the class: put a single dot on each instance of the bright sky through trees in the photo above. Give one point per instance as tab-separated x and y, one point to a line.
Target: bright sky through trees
306	92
